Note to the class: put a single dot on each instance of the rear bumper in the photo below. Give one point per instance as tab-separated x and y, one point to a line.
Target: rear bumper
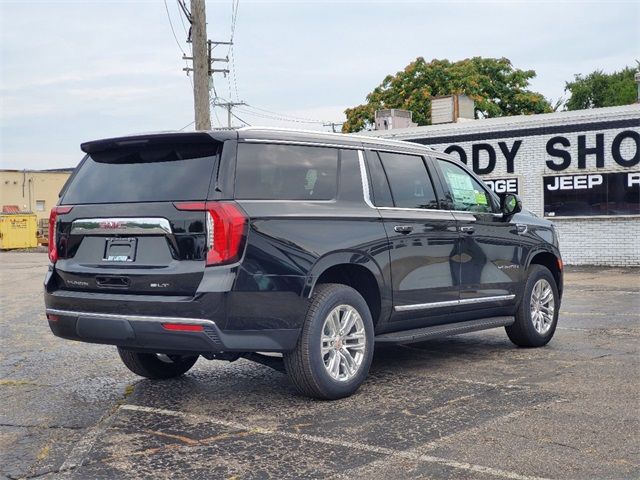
148	333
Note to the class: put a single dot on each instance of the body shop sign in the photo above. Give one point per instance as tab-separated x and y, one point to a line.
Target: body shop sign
591	151
592	194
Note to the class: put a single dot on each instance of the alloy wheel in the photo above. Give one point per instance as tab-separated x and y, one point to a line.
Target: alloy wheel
343	342
542	306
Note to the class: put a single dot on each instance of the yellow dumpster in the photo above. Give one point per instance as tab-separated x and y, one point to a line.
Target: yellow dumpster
18	230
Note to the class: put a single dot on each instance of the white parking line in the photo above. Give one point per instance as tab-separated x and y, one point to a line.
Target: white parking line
80	451
335	442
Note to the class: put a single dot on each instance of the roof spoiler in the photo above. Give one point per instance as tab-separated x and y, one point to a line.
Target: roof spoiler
156	139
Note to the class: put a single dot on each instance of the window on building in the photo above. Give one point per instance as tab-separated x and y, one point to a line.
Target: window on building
40	205
467	194
592	194
411	185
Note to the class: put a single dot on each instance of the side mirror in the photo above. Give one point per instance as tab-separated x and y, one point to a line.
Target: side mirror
510	204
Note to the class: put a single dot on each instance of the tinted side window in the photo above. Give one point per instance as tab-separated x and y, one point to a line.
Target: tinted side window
380	193
411	186
286	172
467	194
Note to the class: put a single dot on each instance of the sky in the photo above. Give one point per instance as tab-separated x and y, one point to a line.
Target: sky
72	71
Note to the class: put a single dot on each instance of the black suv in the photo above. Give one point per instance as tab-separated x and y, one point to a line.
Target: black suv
266	243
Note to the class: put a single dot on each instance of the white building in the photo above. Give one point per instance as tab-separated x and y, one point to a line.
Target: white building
580	169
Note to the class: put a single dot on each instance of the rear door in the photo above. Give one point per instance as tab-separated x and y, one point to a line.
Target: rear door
491	247
423	239
131	226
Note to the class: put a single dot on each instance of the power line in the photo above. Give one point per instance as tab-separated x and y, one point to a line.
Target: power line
185	10
187	125
281	117
294	117
243	121
184	27
166	7
231	53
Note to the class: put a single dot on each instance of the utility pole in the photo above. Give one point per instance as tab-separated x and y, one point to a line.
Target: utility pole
228	106
201	65
333	125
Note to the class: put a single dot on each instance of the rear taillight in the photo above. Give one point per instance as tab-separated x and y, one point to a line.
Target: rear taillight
226	229
53	217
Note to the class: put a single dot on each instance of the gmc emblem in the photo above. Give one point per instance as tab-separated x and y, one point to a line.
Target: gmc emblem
111	225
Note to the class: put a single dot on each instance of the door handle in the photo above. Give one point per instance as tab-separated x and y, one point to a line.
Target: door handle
468	229
403	228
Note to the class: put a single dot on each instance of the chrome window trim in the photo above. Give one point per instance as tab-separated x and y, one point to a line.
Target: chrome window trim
414	209
132	318
365	180
452	303
121	225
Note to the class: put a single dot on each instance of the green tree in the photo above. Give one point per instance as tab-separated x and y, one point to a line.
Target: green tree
497	88
599	89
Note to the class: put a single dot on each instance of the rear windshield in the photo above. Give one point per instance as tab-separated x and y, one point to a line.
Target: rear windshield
286	172
173	173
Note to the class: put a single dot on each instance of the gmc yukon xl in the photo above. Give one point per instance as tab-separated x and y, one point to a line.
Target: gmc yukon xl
299	250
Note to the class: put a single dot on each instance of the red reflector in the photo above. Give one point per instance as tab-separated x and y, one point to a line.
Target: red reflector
52	318
560	264
182	327
193	206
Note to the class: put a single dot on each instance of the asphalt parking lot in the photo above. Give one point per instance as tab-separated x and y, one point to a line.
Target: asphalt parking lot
472	406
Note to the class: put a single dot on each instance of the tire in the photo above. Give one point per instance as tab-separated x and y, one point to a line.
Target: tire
156	366
531	329
312	372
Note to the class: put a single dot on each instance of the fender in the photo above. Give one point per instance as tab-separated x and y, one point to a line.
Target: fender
353	257
541	249
553	250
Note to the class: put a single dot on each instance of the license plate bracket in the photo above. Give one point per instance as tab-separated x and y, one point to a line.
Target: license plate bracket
120	249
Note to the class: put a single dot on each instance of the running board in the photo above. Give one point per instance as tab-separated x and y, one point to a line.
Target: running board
436	331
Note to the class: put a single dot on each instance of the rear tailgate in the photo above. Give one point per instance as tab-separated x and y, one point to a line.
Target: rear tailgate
123	232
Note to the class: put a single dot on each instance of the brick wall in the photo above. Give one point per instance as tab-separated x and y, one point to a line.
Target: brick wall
583	240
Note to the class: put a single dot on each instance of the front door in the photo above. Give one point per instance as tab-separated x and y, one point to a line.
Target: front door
491	249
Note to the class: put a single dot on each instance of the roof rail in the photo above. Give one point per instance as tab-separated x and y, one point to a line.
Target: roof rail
376	140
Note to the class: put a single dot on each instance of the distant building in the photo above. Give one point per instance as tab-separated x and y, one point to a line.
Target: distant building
32	190
580	169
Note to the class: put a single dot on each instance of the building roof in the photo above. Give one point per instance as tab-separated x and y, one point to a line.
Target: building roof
48	170
513	122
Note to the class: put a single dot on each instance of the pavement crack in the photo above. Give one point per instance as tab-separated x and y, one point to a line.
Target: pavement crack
44	427
550	442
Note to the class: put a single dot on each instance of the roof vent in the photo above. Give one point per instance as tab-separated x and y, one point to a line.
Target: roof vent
451	109
389	119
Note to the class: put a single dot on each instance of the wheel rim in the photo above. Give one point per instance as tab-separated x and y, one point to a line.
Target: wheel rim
343	343
542	306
